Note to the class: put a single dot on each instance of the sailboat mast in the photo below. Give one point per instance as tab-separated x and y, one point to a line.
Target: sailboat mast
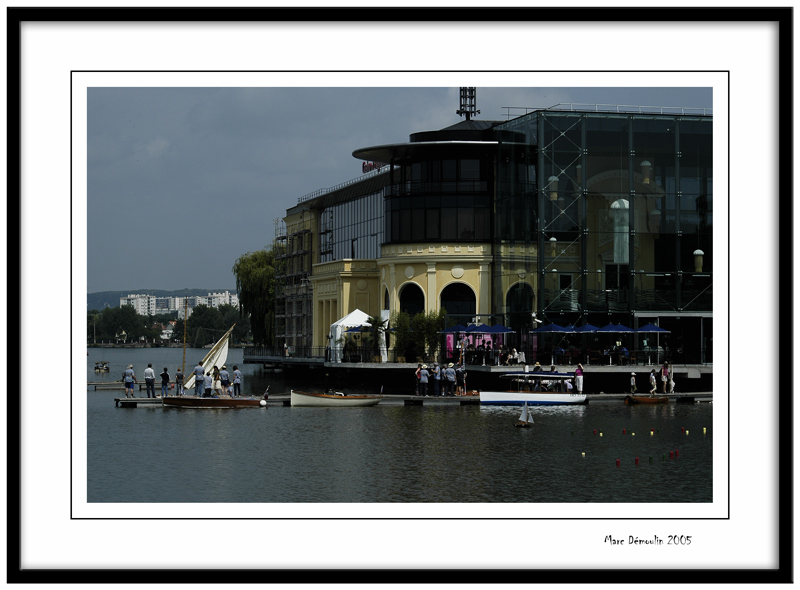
183	363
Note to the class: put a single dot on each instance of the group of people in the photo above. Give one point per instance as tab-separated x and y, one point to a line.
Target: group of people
550	385
449	381
667	381
216	381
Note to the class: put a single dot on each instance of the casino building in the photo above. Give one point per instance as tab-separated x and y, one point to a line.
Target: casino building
559	215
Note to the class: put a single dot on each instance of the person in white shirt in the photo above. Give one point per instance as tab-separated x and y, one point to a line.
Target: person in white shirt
150	380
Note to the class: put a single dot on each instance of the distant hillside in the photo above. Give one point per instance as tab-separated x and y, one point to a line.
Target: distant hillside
104	299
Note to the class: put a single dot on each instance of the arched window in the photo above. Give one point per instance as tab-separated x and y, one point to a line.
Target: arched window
385	298
412	299
458	299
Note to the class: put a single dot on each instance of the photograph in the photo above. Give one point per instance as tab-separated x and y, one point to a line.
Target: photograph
335	306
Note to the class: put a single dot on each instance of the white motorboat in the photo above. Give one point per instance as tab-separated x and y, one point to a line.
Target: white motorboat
535	389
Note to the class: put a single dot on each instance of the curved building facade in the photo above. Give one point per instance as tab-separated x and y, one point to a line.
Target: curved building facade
576	217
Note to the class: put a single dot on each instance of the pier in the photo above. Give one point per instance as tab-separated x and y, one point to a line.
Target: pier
283	400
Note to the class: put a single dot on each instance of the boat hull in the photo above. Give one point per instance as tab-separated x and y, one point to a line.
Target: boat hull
544	398
191	401
327	400
646	399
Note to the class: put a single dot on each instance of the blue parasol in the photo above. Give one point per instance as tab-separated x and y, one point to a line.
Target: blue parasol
651	327
454	329
551	328
614	328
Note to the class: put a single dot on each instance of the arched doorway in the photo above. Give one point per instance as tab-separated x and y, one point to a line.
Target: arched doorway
412	299
458	299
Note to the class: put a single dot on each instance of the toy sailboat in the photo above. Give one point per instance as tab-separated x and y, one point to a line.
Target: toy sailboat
525	418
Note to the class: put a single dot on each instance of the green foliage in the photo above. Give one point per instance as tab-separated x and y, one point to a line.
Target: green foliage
109	324
372	335
204	326
402	336
255	283
426	337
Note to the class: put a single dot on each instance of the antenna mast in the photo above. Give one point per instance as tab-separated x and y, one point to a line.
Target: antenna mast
467	102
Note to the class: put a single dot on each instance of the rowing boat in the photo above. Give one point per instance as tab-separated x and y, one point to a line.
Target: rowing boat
336	399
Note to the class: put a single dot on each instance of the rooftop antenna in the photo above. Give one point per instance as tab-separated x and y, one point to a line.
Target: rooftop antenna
467	102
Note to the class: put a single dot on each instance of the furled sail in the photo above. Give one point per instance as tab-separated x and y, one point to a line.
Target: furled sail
215	357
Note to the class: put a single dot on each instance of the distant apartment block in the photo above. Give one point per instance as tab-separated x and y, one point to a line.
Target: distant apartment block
151	305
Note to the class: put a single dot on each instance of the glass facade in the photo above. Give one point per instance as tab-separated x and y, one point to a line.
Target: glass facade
440	200
353	229
620	207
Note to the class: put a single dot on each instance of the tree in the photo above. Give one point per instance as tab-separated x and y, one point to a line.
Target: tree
113	321
255	283
204	326
402	337
230	316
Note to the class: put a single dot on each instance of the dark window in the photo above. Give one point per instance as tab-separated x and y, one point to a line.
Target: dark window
466	223
470	169
449	223
432	224
449	170
412	299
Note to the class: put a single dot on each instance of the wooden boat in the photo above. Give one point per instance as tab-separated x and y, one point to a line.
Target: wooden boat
192	401
646	399
525	419
101	367
336	399
530	388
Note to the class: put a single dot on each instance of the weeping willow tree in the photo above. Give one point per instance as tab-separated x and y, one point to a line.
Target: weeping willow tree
255	283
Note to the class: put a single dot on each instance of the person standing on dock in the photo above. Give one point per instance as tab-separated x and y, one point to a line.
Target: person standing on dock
237	382
664	377
579	378
150	380
461	380
437	376
416	377
633	383
423	381
450	375
199	379
178	381
130	379
164	382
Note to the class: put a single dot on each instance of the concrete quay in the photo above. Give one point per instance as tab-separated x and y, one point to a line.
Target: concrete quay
283	400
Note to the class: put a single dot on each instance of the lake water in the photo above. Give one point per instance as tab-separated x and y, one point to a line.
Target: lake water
386	453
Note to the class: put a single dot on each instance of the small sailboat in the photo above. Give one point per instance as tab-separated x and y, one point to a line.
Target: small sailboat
525	418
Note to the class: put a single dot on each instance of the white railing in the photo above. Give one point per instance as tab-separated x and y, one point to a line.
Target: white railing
325	191
611	108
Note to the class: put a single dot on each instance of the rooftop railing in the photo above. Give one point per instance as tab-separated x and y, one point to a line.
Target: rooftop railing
609	108
325	191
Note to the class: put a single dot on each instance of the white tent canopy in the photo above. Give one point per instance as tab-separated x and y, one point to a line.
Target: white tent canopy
354	319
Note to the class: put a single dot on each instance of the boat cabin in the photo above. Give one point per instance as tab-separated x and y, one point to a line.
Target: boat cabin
539	382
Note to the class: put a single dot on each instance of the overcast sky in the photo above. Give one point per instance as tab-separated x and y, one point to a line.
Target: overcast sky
183	181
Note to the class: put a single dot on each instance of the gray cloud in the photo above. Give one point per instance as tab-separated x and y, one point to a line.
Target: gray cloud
183	181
